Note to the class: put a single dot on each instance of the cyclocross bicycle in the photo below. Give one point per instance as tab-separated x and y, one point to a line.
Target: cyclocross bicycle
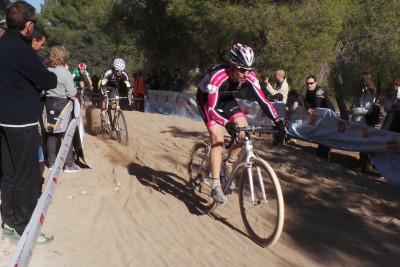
114	122
260	195
85	98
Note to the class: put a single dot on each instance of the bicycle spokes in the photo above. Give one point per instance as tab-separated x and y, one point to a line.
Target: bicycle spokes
261	183
262	218
200	179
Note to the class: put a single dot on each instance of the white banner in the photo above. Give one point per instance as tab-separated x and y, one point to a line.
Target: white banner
24	251
323	127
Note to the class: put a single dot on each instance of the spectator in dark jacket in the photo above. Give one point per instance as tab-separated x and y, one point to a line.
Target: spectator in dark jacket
177	82
316	98
152	81
165	79
21	72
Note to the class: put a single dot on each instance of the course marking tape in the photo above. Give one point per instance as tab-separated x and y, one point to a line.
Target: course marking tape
26	245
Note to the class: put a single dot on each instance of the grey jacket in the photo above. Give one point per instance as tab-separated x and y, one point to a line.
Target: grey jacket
363	106
65	83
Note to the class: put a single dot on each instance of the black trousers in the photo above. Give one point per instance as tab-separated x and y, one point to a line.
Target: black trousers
53	142
20	180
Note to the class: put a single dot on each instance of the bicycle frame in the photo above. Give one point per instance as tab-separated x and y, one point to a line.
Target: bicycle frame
262	217
109	109
244	161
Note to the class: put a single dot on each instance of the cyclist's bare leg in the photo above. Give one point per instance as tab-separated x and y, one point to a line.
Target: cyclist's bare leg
103	99
103	103
82	86
217	141
235	149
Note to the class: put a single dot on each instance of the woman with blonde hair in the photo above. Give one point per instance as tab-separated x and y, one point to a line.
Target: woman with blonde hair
57	100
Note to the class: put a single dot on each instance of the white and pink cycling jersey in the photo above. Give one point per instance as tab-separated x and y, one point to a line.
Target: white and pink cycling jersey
220	88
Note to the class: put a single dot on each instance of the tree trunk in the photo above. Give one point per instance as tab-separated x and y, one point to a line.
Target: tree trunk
338	87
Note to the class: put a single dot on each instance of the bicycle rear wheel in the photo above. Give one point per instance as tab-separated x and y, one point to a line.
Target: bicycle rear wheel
121	128
200	177
263	217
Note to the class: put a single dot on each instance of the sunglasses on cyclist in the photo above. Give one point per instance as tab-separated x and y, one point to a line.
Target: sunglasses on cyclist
243	70
310	83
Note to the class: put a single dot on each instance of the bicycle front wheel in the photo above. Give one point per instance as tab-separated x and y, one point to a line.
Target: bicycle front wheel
121	128
200	177
262	214
106	124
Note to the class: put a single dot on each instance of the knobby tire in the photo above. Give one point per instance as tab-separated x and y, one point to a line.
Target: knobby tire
200	177
106	127
121	128
263	221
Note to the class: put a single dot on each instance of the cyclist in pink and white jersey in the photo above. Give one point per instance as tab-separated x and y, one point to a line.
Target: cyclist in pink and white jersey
219	108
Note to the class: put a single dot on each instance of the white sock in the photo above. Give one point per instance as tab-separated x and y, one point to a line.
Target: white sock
215	183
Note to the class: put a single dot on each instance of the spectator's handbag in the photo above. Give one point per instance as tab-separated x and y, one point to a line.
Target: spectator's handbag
373	117
57	114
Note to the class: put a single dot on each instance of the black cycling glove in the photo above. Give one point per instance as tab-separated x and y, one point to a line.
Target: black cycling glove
232	129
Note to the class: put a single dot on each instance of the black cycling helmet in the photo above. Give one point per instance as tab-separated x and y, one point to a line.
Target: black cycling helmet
242	56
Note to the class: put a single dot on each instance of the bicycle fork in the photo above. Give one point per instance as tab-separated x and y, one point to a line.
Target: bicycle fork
114	123
249	165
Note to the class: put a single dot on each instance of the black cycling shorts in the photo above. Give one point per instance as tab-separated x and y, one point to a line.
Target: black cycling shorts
111	93
227	107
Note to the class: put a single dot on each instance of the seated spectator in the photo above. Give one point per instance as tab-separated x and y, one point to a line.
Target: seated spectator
392	108
293	101
278	98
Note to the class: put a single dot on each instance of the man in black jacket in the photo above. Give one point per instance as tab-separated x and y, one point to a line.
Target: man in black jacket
21	72
316	98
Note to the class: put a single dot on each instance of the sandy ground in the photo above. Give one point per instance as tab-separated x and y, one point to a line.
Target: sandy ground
133	207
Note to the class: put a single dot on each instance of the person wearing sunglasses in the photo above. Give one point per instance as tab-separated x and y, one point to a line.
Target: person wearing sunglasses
220	110
315	95
316	98
114	79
